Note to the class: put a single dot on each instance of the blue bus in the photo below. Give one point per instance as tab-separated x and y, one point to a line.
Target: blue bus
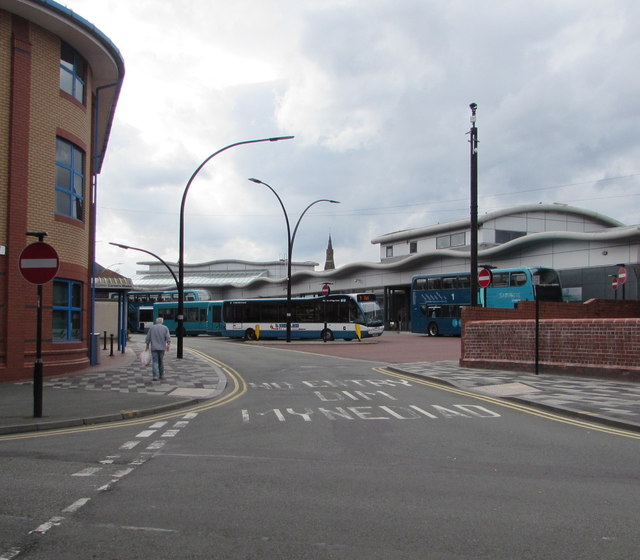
437	299
140	305
344	316
200	317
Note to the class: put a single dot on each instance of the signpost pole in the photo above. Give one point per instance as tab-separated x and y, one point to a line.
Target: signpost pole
38	265
38	366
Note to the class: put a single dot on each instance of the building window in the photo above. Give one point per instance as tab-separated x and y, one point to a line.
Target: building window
69	179
67	310
453	240
389	250
413	247
72	72
504	236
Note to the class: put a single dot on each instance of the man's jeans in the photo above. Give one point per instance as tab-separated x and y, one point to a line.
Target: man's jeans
157	363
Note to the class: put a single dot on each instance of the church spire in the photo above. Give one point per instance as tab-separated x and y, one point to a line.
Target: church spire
329	263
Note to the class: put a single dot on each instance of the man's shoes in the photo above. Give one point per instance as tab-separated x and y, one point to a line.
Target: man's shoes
155	378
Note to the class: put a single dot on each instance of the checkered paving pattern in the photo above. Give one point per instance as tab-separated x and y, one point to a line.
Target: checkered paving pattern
598	397
190	372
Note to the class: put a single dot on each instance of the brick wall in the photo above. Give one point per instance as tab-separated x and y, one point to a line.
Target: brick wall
33	112
598	337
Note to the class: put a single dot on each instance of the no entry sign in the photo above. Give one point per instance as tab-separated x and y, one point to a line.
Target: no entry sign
484	277
622	275
39	263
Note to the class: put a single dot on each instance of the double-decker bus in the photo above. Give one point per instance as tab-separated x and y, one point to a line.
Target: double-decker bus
344	316
200	317
140	305
437	299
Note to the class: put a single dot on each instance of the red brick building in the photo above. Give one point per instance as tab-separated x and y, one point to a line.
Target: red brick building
60	78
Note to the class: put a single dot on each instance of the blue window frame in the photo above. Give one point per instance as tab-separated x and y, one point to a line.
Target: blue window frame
72	72
69	179
67	310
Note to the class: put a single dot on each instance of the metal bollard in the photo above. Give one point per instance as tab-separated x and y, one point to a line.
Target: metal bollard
111	354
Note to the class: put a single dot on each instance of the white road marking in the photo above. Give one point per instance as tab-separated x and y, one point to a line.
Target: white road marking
45	527
146	433
89	471
75	506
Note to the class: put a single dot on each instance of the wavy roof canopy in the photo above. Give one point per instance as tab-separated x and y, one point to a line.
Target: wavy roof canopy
414	261
466	223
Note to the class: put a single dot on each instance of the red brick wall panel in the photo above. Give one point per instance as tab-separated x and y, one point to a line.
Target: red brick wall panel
604	346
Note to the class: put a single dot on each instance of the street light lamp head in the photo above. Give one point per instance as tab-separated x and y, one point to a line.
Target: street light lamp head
119	245
254	180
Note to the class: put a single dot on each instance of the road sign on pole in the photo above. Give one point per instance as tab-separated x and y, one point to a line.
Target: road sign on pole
622	275
326	290
614	282
39	263
485	276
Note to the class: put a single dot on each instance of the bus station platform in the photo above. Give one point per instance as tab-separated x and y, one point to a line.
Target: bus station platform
119	389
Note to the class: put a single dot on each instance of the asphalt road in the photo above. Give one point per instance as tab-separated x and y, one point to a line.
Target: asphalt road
316	456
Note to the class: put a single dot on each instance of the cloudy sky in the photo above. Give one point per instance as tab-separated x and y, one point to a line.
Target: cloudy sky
377	94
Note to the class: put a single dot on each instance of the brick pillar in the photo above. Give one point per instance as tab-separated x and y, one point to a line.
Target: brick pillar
20	299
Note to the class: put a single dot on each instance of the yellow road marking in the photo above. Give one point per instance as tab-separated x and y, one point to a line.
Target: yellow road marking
239	388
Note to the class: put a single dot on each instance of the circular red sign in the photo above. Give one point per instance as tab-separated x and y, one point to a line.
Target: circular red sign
39	263
485	276
622	275
614	283
326	290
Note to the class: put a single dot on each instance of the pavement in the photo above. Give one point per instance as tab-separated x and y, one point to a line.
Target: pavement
119	388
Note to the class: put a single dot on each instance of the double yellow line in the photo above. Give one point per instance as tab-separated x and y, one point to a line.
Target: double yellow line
516	406
238	388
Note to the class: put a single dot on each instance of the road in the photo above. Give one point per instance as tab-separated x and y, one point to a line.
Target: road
314	456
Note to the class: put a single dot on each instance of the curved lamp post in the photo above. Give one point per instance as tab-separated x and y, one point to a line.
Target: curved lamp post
122	246
180	325
290	239
148	253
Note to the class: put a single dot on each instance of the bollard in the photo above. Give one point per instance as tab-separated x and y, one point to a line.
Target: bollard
105	340
111	354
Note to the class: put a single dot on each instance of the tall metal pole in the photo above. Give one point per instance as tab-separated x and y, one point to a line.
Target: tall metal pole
290	239
180	325
38	366
473	142
293	238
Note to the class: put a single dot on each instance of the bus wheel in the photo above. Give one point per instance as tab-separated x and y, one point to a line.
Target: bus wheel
327	335
250	334
432	329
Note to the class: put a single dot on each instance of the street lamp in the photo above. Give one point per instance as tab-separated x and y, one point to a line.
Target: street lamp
148	253
180	322
122	246
473	210
290	239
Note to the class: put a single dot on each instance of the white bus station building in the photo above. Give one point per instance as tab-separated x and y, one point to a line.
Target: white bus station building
587	248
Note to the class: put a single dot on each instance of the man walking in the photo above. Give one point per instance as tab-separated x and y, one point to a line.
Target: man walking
158	340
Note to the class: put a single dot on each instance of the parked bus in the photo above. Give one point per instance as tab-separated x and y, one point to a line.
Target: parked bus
140	305
200	317
328	317
437	299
